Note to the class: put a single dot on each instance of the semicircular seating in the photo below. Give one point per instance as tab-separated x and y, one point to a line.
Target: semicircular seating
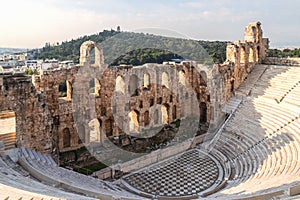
16	183
262	140
259	148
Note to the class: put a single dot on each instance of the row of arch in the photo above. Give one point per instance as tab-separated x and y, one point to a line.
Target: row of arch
97	128
65	88
165	113
252	56
133	82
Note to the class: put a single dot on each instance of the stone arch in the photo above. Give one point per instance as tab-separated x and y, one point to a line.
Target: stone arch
182	77
232	85
62	89
165	79
203	78
251	55
101	130
156	117
146	80
203	112
242	55
94	86
66	138
108	127
134	121
86	51
165	114
65	89
94	127
92	56
120	84
133	84
146	118
257	53
174	113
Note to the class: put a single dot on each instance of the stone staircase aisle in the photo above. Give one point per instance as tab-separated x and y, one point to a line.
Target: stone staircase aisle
9	140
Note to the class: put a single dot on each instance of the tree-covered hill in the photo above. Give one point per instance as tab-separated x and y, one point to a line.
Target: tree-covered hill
69	50
147	48
284	53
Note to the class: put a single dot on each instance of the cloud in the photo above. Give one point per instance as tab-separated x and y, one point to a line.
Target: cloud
192	4
34	26
35	22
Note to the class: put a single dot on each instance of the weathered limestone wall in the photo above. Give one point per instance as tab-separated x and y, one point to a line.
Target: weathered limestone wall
33	121
151	158
60	108
123	90
245	54
282	61
51	118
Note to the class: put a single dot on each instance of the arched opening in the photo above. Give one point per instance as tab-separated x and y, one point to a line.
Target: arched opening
257	53
232	85
165	79
66	138
92	56
81	134
94	127
94	86
174	113
108	127
182	77
146	118
62	89
198	96
165	114
254	31
203	79
151	102
101	130
133	85
120	84
65	90
203	112
251	55
90	53
8	129
242	55
156	117
134	121
103	111
146	80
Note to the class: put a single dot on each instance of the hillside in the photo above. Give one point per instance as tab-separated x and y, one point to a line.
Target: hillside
147	48
284	53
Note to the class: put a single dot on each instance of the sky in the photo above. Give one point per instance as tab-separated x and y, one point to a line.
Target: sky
32	23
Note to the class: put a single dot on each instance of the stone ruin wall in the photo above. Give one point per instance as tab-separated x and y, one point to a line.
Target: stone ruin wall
33	121
243	55
44	120
282	61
